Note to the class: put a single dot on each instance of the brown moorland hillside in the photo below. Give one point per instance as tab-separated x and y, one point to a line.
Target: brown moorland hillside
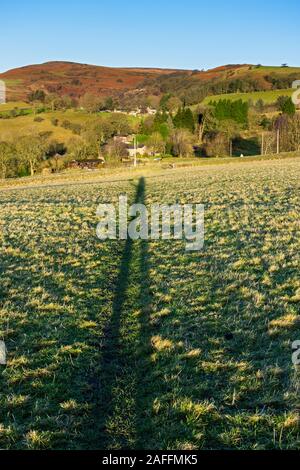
74	80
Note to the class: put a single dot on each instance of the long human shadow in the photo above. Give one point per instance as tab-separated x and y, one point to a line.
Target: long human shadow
145	378
114	359
127	382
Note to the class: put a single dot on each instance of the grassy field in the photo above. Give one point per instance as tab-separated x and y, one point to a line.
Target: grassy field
150	168
22	125
142	344
269	97
13	105
277	70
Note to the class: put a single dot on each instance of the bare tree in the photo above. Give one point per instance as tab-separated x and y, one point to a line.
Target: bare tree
294	132
206	121
31	149
182	143
173	104
269	143
217	145
90	103
116	149
156	143
6	154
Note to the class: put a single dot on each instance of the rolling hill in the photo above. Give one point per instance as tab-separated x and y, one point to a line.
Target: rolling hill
72	79
192	86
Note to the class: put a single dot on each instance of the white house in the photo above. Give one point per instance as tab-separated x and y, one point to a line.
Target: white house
151	111
141	150
2	92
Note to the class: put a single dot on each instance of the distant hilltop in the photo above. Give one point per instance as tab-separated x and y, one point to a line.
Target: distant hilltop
191	86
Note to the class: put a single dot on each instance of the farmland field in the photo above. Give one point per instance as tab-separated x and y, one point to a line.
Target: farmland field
12	128
141	344
13	105
268	97
42	122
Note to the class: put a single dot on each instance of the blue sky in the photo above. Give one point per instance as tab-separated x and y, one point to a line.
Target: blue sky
192	34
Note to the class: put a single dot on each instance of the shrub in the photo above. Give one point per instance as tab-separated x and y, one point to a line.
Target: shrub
54	121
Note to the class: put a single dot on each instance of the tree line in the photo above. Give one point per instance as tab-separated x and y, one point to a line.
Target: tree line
177	131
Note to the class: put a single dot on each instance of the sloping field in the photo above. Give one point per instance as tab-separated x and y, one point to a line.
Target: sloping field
268	97
43	123
10	129
142	344
13	105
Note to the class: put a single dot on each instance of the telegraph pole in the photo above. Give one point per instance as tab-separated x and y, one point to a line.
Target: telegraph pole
278	141
135	152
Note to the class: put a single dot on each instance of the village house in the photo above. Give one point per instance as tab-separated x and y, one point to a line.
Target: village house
139	111
125	139
141	150
151	111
